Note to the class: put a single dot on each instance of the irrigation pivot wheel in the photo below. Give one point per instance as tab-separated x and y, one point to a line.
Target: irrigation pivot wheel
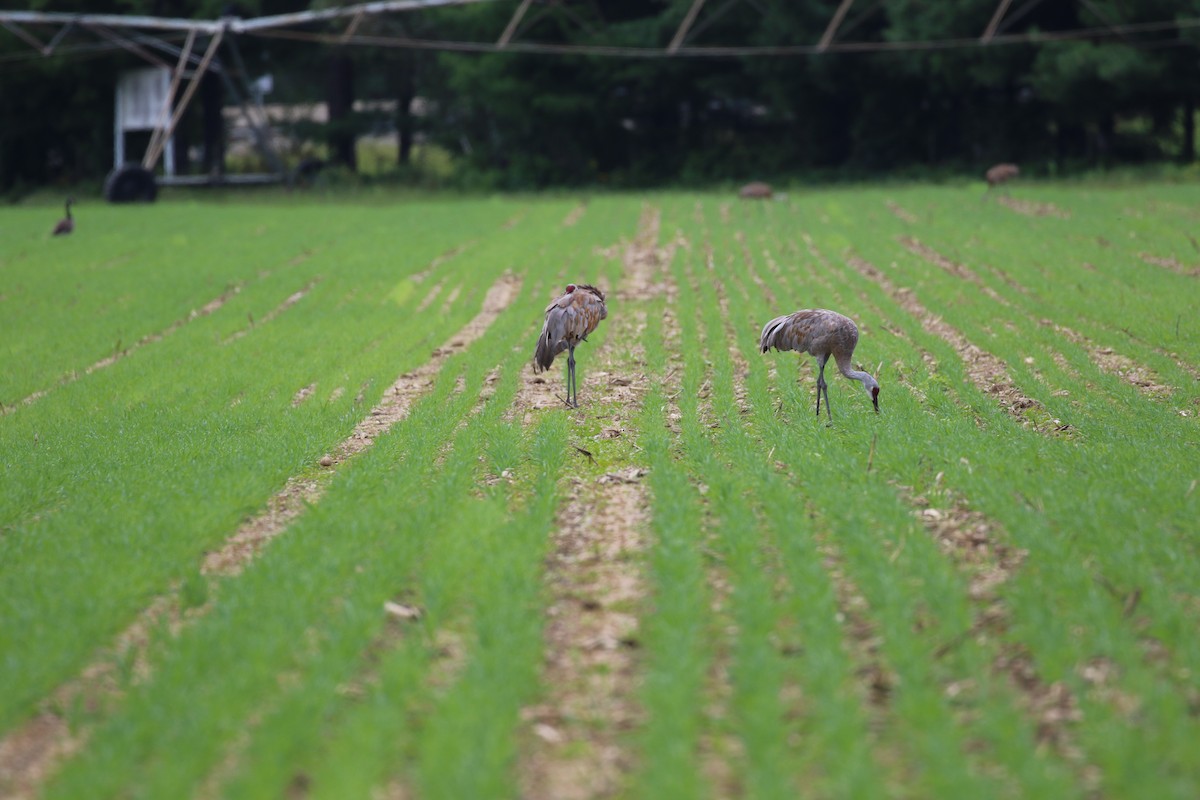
130	184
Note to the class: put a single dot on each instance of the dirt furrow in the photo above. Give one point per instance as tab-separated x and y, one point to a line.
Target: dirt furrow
31	752
1029	208
719	748
575	744
863	638
902	213
1114	363
211	307
981	548
914	245
448	303
985	370
748	260
574	215
439	260
392	408
431	295
290	301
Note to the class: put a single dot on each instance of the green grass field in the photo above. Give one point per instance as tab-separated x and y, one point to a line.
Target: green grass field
284	511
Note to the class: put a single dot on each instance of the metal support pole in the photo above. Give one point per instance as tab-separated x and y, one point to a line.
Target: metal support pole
835	23
163	115
152	155
21	33
511	28
688	19
990	31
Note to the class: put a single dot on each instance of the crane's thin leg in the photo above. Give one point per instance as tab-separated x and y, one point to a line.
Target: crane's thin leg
572	390
823	387
568	379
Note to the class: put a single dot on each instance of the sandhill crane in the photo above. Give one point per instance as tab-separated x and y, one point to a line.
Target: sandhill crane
756	190
569	320
66	225
1000	174
821	333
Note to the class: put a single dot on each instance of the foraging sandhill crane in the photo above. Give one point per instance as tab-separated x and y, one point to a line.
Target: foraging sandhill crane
821	333
66	225
756	190
1001	174
569	320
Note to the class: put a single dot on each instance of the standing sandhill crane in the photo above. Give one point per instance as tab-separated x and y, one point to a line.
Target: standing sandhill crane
569	320
1000	174
66	225
821	333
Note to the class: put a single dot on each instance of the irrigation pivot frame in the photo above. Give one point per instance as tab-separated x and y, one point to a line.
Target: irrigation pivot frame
154	38
150	38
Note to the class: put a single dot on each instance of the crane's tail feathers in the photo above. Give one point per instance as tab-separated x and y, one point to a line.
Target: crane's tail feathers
769	331
544	355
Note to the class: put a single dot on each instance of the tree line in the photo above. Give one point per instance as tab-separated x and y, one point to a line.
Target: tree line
1120	94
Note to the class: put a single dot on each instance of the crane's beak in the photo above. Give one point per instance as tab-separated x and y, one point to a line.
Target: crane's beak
875	400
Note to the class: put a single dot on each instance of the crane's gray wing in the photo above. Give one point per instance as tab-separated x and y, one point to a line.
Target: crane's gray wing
553	339
793	331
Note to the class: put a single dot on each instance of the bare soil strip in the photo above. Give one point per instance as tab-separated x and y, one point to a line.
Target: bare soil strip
446	664
981	548
291	300
303	394
914	245
902	213
31	752
432	295
985	370
719	747
450	298
591	635
1171	263
863	638
392	408
442	259
211	307
573	217
574	749
1030	208
1114	363
1009	280
748	260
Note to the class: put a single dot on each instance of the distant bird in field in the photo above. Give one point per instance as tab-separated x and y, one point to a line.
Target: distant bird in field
755	191
569	320
67	225
1001	174
821	333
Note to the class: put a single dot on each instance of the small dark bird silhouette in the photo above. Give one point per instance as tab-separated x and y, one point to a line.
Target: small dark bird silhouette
569	320
67	225
821	333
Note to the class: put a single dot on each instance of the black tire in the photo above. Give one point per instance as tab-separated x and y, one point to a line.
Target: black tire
130	184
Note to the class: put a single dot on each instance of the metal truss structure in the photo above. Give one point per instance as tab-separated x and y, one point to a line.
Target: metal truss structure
157	41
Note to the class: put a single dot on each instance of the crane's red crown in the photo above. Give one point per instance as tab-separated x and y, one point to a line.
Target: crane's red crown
570	288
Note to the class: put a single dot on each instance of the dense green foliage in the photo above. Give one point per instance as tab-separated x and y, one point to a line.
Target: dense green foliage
521	120
810	624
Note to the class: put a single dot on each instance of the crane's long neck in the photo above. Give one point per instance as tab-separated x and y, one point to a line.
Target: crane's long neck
853	374
68	209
